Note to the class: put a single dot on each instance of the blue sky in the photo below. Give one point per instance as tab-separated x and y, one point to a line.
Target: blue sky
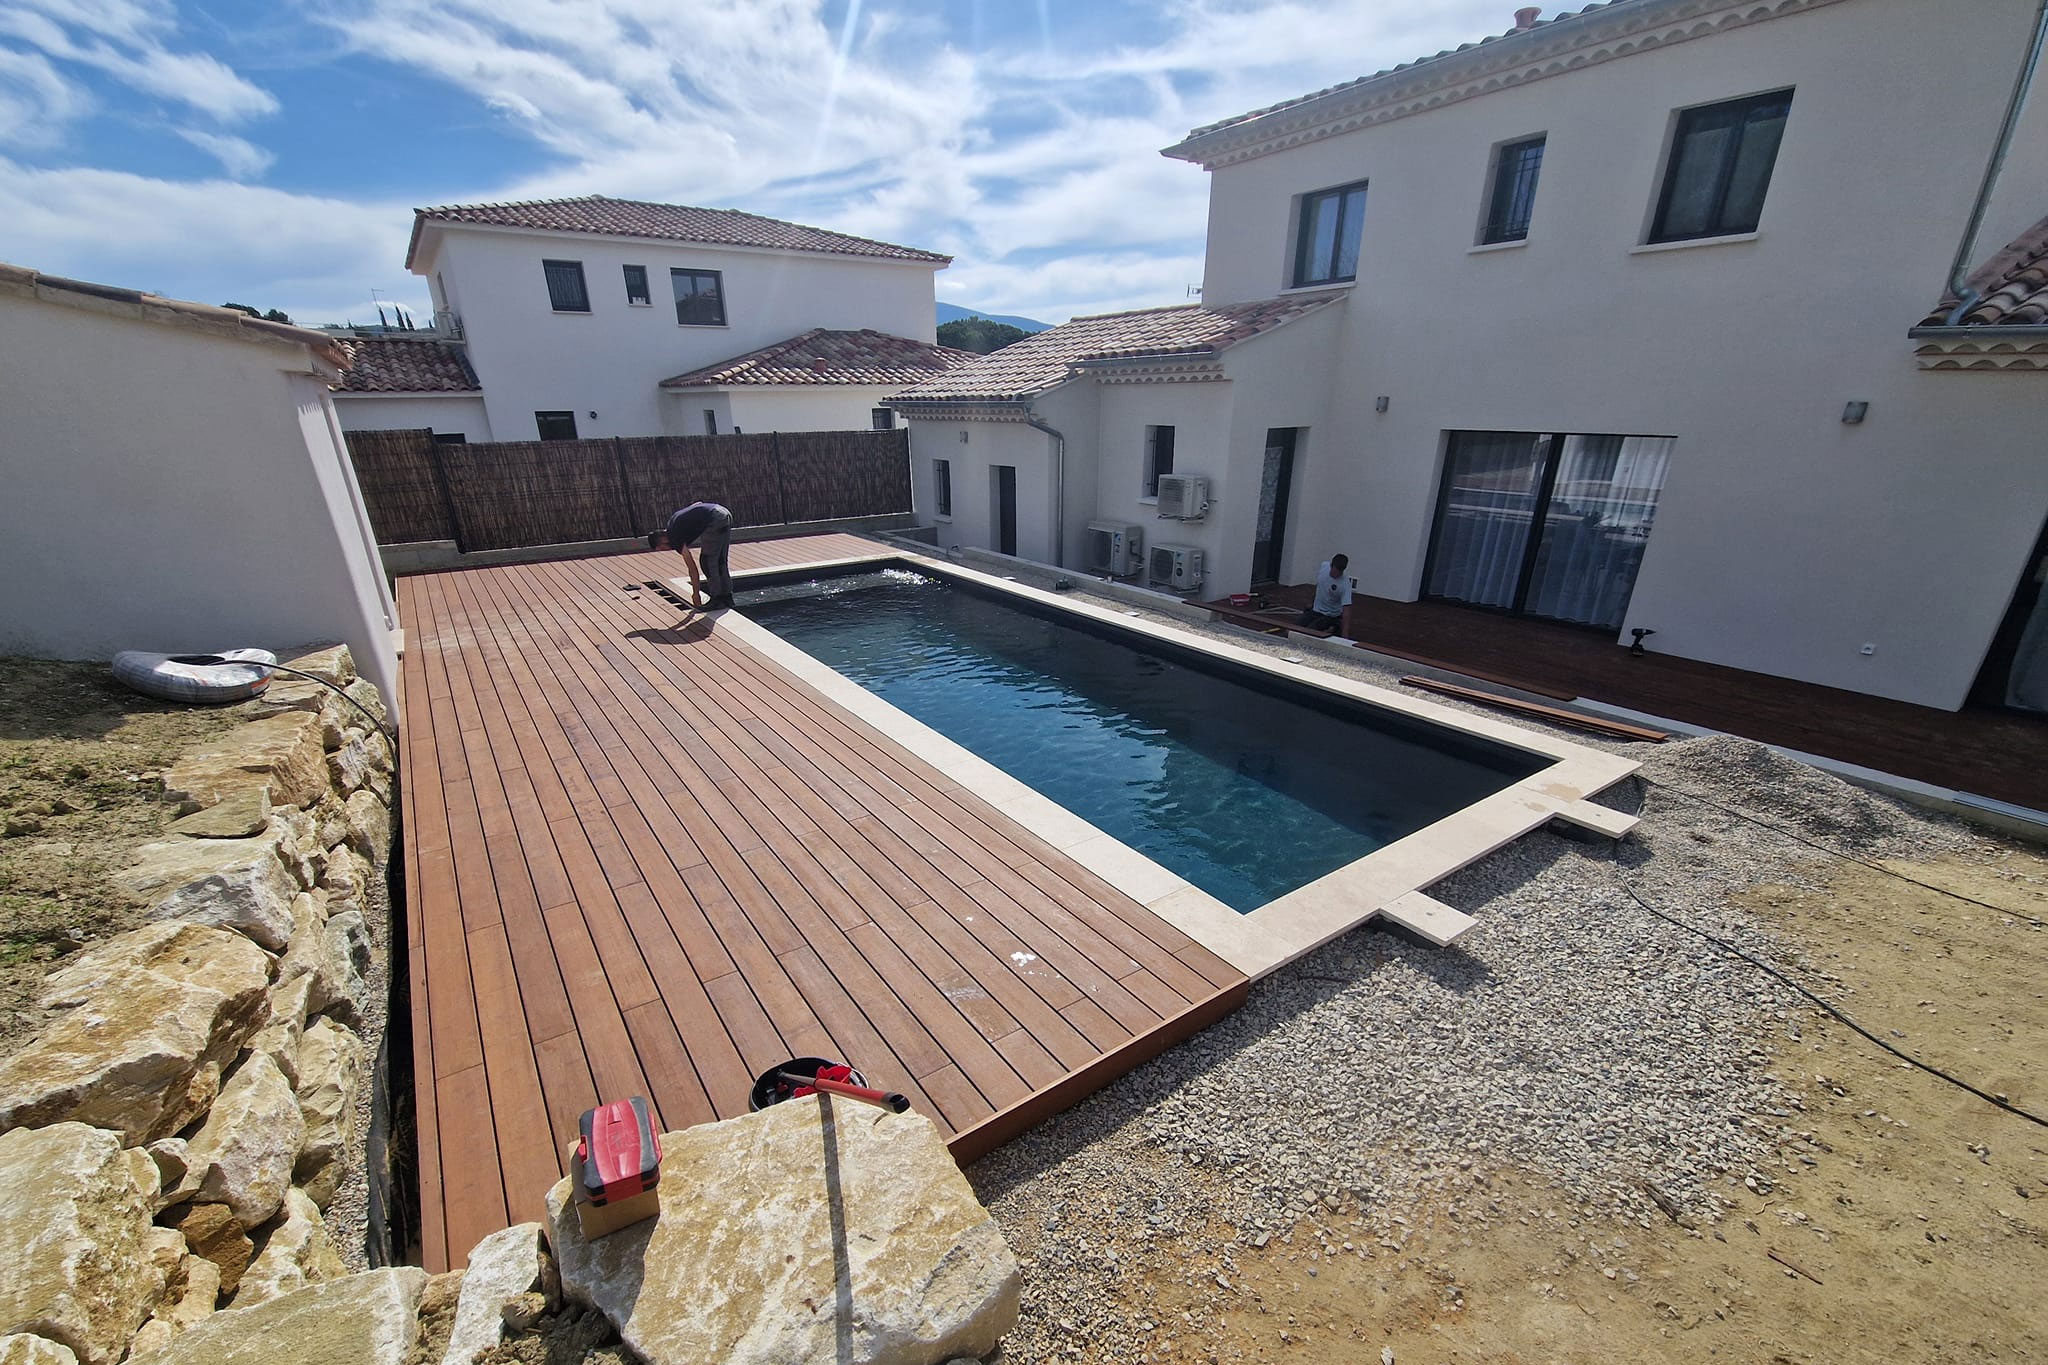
271	153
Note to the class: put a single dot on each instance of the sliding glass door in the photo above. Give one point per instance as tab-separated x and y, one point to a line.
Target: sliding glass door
1545	524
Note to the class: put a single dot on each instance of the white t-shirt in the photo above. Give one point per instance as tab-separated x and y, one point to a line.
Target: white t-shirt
1333	594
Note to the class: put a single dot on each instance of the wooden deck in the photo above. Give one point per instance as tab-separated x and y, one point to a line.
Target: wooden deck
642	859
1999	754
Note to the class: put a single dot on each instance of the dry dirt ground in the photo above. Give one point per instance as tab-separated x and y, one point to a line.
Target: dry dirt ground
1910	1222
79	754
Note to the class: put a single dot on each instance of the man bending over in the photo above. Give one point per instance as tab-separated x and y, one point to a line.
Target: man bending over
708	526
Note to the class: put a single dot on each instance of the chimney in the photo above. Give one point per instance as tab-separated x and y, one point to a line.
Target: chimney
819	364
1525	19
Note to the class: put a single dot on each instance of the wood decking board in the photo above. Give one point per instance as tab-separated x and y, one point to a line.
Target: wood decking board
643	859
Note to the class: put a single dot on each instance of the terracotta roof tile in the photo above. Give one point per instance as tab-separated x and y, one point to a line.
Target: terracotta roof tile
822	356
2013	285
405	365
1445	55
1046	359
667	222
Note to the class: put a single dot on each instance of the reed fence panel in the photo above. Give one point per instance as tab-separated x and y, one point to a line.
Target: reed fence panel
512	493
402	488
832	474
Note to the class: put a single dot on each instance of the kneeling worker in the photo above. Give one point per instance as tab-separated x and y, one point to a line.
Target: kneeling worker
1333	595
709	526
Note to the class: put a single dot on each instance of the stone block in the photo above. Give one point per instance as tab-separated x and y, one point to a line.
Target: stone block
350	767
299	846
502	1267
24	1348
368	827
282	1029
240	814
295	1252
334	1065
367	1319
762	1215
240	884
213	1233
76	1239
281	753
243	1154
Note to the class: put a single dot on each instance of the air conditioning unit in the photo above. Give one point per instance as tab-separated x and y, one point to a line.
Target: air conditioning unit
1183	497
1115	548
1178	567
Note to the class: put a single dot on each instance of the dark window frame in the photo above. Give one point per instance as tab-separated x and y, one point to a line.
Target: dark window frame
942	487
717	294
1304	275
556	416
1154	465
711	421
643	297
1689	122
1511	194
882	419
559	298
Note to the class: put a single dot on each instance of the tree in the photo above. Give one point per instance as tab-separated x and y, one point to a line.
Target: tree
274	315
979	335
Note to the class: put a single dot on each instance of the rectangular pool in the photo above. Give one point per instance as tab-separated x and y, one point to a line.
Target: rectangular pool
1247	785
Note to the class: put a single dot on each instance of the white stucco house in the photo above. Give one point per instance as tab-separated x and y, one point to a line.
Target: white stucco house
176	482
569	314
1618	319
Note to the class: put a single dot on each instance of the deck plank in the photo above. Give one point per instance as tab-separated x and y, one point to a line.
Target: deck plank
643	859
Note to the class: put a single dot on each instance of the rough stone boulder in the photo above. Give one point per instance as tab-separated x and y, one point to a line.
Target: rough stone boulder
296	1252
214	1233
502	1267
23	1348
299	846
282	754
238	815
240	884
76	1241
367	1319
333	1064
242	1155
150	1019
758	1216
367	822
284	1027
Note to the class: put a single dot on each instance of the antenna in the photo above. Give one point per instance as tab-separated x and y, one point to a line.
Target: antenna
1194	291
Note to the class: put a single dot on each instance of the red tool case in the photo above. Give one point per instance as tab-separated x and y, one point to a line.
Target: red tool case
619	1154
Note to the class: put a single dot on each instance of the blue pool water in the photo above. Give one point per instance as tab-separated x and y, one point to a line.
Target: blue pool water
1248	791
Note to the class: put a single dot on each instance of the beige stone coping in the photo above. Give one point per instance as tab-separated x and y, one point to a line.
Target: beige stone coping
1281	930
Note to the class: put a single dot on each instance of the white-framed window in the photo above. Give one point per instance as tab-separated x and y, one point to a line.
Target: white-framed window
1720	166
566	292
555	426
1158	458
1512	196
1326	240
636	287
882	419
942	488
700	297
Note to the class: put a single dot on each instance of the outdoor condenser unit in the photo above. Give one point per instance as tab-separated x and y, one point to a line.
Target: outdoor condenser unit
1177	566
1115	549
1183	497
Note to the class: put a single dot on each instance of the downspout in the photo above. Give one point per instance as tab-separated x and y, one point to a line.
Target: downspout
1059	480
1958	285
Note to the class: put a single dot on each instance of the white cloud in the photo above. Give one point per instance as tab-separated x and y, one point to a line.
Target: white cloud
35	101
128	40
240	158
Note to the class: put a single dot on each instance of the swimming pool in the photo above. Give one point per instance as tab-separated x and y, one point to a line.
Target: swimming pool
1242	783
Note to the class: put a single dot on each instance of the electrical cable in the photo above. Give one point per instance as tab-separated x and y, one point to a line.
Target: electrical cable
1832	852
1761	965
390	737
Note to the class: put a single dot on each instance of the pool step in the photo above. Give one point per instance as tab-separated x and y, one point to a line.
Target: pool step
1598	819
1432	919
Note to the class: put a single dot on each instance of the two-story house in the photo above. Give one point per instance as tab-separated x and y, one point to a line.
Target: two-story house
1613	319
611	317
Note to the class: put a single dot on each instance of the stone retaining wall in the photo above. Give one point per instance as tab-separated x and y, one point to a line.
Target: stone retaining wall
169	1141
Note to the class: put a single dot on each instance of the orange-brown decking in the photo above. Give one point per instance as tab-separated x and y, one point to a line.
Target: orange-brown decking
642	859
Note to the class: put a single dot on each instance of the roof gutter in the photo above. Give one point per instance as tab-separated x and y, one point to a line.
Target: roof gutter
1059	483
1995	333
1958	284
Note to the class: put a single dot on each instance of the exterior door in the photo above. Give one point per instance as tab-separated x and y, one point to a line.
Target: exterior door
2015	672
1003	493
1276	482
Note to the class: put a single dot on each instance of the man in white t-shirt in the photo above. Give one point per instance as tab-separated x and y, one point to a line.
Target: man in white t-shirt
1333	594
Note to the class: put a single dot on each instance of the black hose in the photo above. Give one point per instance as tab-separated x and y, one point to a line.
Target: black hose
390	736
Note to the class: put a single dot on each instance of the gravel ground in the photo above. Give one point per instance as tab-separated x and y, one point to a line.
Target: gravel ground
1573	1041
348	1217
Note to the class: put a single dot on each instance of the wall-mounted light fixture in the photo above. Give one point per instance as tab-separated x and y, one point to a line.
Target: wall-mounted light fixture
1854	412
963	436
1379	404
593	417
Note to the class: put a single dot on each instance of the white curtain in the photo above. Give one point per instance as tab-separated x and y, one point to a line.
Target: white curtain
1490	482
1596	526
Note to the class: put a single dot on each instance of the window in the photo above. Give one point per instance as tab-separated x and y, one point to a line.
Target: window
1721	159
1545	524
556	426
451	438
1158	457
565	286
636	287
882	419
942	488
1515	169
711	421
700	299
1326	250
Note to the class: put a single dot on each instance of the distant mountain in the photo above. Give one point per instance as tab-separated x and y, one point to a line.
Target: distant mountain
953	312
